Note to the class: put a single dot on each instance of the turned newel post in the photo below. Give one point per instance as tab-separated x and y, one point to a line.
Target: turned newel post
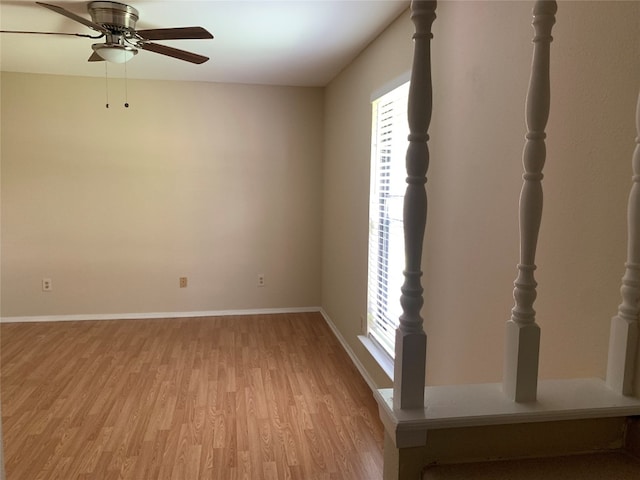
411	341
623	340
523	334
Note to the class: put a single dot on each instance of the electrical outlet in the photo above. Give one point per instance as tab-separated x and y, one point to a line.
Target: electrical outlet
261	279
183	282
47	285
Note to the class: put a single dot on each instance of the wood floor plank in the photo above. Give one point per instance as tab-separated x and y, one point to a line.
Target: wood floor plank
254	397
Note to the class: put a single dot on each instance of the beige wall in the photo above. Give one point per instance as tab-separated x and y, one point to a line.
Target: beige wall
211	181
482	53
347	155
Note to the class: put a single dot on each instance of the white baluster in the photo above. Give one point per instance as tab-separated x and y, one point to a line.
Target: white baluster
411	341
523	334
623	341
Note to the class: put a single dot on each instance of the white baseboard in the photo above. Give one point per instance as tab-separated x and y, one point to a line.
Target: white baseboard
363	372
151	315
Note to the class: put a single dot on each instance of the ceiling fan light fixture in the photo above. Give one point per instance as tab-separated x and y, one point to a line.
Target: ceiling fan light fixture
114	53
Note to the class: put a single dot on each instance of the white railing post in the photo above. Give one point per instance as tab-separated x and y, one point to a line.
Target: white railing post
520	381
623	341
411	340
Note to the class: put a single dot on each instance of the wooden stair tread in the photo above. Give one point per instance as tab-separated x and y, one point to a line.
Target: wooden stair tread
601	466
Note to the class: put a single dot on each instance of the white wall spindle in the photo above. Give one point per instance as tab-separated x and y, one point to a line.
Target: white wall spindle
623	341
523	334
411	341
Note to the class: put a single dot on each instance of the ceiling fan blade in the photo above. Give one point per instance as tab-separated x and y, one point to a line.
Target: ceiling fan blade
174	52
182	33
53	33
95	58
73	16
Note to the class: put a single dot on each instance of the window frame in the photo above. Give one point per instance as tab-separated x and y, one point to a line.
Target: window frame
380	335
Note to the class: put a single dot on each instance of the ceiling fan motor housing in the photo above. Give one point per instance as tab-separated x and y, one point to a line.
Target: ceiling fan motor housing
116	17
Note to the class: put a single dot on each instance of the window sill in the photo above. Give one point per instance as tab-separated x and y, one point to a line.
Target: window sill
379	355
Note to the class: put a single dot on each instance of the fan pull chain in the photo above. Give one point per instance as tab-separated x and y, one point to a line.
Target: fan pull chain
126	92
106	84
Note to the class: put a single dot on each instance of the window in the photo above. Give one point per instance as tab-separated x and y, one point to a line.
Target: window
386	238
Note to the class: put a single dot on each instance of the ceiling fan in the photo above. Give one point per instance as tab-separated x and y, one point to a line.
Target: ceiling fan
116	22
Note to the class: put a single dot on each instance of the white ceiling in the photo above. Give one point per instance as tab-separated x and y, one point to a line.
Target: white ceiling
279	42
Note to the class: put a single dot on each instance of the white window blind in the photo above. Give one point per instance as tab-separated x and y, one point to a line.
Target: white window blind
386	238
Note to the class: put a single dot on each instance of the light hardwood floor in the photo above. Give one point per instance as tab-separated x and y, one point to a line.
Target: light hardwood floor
244	397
